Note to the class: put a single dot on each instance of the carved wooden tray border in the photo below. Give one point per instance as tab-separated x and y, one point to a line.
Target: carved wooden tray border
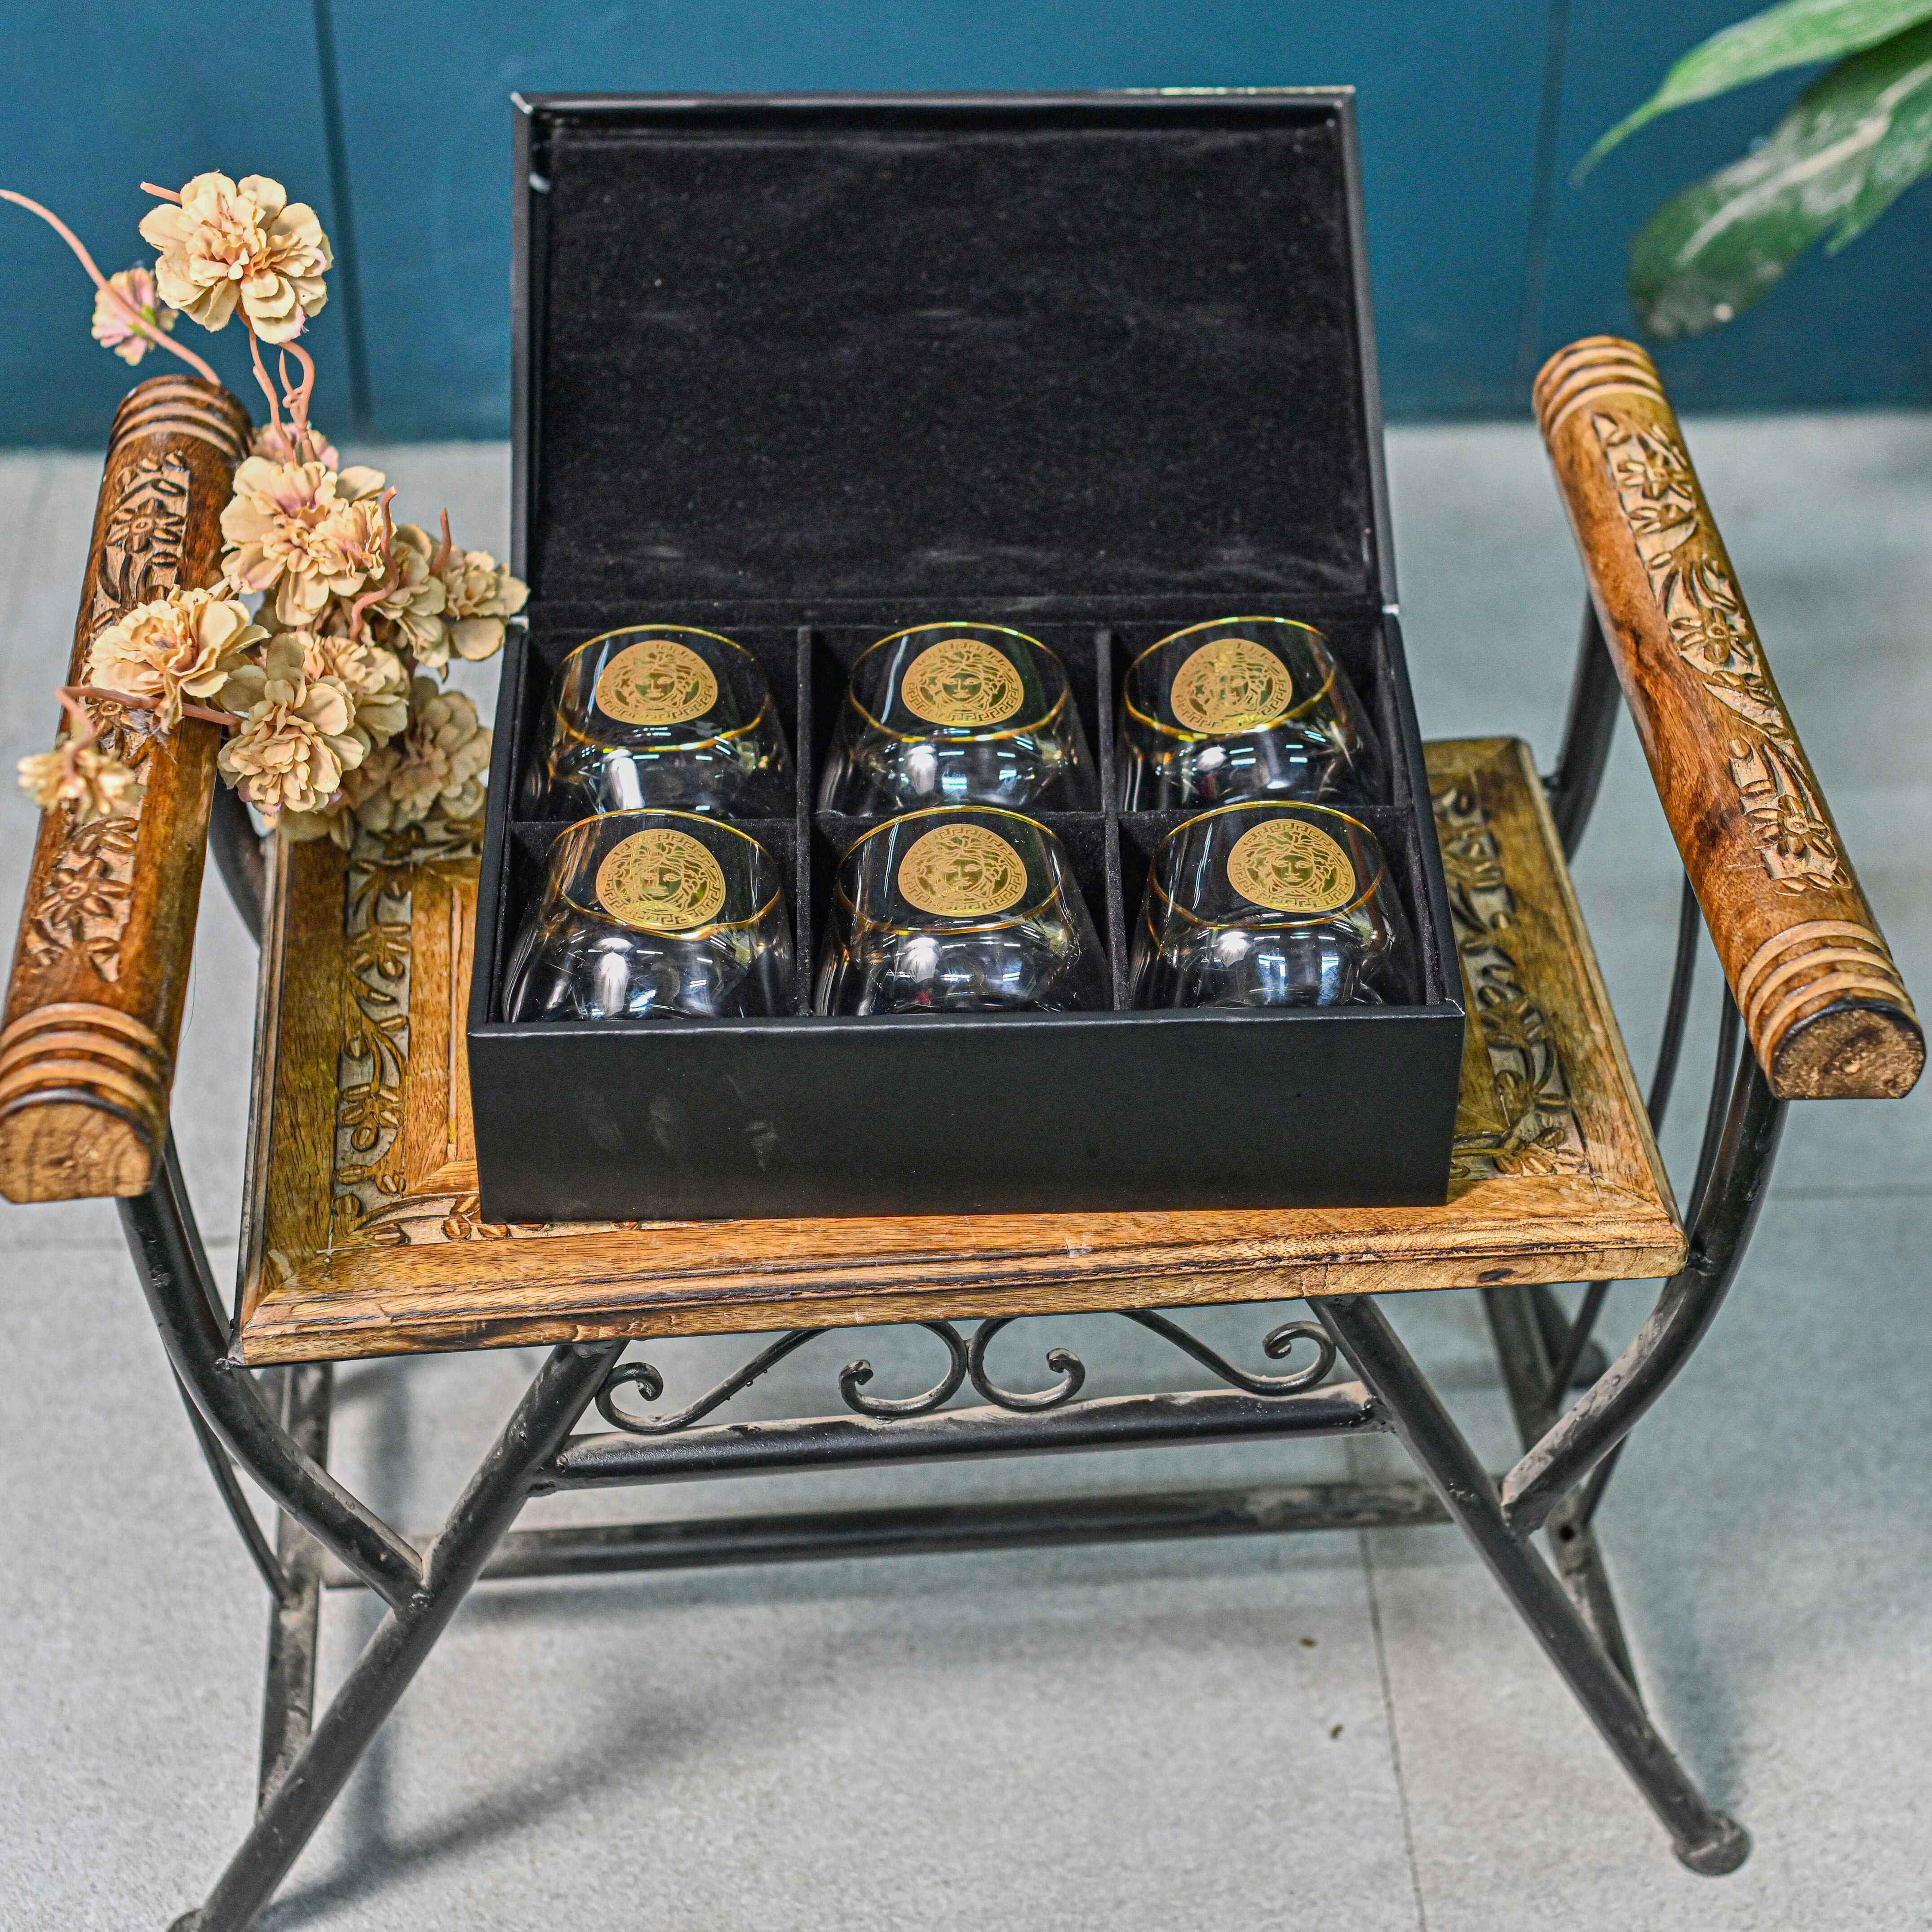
361	1234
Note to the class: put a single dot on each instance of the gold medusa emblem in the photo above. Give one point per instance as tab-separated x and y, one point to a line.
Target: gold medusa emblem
664	881
962	870
1231	685
658	682
1290	866
961	681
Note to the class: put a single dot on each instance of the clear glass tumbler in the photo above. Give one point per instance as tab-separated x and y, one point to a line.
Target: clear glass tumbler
648	915
957	714
662	716
1265	904
1243	707
960	909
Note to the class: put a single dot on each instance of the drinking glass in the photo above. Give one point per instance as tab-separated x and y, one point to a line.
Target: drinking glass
956	714
648	915
960	909
664	716
1243	707
1261	905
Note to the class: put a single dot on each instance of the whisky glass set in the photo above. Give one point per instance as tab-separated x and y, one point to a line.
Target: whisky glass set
958	899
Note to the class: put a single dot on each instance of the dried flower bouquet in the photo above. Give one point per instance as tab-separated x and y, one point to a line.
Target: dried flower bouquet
312	652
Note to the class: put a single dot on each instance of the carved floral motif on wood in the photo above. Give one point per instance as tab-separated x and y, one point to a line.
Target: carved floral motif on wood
375	1050
371	1180
1530	1127
85	905
1713	634
378	1198
141	548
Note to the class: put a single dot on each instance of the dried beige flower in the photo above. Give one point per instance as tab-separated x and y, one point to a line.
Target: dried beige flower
362	533
187	645
365	797
480	594
114	329
228	242
440	765
277	441
331	821
377	684
411	609
303	531
299	734
96	785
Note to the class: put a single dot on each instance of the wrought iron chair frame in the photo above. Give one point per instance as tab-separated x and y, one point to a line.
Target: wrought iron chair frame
273	1425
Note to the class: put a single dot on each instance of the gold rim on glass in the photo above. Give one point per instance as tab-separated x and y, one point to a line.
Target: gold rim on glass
661	630
689	630
607	918
583	737
946	734
1056	896
1294	711
1286	810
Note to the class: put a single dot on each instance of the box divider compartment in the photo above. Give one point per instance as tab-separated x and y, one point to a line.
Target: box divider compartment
806	666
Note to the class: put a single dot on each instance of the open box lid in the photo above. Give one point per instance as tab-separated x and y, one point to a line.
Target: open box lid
1080	350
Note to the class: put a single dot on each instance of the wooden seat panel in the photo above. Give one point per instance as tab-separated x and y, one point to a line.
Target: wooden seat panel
361	1234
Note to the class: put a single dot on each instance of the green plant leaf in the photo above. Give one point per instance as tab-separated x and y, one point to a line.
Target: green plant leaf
1854	141
1800	33
1903	156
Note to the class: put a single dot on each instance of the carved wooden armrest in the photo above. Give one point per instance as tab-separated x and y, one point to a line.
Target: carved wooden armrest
94	1009
1822	1003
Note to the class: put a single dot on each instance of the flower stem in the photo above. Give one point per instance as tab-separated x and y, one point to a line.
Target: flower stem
142	326
70	693
388	579
297	399
261	376
295	435
80	719
82	733
162	193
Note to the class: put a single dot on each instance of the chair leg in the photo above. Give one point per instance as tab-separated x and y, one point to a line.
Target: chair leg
301	1797
1554	1326
239	1513
1516	1320
295	1619
1579	1568
1705	1839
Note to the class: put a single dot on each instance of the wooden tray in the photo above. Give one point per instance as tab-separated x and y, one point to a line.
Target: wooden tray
361	1236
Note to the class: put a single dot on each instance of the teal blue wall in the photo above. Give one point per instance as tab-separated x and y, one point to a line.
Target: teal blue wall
394	119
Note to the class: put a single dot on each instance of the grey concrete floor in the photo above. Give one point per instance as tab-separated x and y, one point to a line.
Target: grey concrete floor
1205	1734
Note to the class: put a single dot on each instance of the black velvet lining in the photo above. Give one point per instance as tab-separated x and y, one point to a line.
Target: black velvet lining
1107	352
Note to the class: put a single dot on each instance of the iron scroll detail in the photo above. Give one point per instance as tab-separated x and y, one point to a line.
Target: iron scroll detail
967	1360
1071	1370
855	1375
1276	1344
643	1376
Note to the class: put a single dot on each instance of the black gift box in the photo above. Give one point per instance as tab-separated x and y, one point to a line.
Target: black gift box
807	371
